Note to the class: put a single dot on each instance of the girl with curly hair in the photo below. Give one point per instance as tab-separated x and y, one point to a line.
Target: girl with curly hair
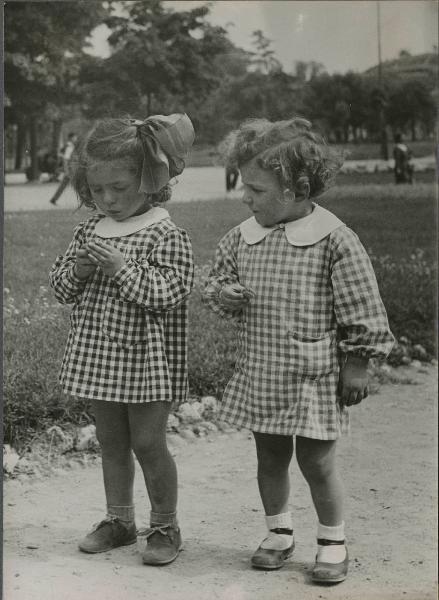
309	319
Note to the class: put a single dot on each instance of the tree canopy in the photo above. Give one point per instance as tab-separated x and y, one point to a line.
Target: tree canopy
162	61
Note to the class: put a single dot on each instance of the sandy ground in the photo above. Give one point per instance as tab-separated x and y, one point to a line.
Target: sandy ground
389	467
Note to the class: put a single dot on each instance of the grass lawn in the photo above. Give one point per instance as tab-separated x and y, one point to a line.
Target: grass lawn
204	155
397	225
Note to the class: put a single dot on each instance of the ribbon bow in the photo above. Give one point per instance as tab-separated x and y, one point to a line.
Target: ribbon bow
166	141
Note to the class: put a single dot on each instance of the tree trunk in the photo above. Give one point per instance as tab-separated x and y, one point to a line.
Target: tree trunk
413	129
21	143
384	150
149	104
56	134
34	172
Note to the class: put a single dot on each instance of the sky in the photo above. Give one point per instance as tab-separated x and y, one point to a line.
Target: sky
342	35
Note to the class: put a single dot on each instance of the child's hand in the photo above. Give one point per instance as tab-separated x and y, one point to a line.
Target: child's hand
235	295
105	256
84	267
353	381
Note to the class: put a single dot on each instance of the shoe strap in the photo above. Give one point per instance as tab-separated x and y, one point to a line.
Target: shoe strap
324	542
282	531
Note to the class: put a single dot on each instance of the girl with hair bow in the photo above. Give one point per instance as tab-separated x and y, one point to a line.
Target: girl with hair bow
127	273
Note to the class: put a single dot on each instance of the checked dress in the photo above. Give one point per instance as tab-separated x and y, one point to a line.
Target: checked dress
128	336
315	299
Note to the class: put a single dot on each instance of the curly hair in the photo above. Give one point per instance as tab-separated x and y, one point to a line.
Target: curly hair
295	153
109	140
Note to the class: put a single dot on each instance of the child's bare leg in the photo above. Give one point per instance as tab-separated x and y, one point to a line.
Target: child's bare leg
112	431
148	439
113	434
274	454
316	459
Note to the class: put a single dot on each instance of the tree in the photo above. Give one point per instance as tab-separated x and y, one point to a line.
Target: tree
304	71
340	104
42	50
160	60
411	103
264	59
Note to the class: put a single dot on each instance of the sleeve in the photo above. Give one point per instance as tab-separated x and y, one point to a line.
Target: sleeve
62	279
164	279
223	272
359	310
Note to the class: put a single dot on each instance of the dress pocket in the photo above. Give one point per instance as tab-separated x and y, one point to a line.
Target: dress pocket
313	357
124	323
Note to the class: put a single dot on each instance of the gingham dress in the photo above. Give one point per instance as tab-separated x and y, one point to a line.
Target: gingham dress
128	335
314	301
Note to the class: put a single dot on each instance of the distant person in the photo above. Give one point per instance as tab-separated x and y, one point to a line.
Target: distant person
66	157
232	175
127	272
310	316
403	167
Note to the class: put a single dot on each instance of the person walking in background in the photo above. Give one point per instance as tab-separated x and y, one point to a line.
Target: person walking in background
66	157
403	167
232	175
309	317
128	271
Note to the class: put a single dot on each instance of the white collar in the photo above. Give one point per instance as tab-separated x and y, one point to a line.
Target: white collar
306	231
109	228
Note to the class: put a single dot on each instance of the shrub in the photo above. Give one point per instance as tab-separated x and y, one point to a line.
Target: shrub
212	344
407	287
34	339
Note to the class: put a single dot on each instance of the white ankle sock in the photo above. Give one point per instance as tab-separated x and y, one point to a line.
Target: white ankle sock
278	541
334	553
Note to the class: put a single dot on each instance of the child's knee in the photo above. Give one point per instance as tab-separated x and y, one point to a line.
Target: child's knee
149	447
315	464
111	441
274	452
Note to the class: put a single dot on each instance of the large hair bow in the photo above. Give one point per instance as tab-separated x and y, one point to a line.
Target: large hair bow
166	141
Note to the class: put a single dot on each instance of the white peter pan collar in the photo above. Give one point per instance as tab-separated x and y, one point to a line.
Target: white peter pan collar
109	228
303	232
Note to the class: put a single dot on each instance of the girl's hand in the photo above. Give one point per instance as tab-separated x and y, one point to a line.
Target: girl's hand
84	267
235	295
105	256
353	381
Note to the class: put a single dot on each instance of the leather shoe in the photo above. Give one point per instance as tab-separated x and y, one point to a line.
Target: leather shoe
163	543
267	558
324	572
110	533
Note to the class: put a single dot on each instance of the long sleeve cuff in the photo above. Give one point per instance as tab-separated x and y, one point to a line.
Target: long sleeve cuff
125	273
378	346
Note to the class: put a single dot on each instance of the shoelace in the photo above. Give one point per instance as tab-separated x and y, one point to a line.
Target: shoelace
108	519
163	529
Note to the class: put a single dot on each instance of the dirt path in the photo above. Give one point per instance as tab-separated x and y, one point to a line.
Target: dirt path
389	467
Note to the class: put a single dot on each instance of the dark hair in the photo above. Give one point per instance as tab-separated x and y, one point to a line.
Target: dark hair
109	140
288	148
